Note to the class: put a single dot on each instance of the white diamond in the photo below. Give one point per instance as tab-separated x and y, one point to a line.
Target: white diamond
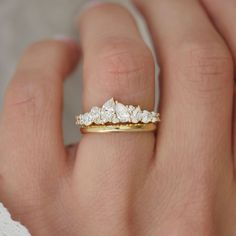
106	116
136	115
115	120
131	108
108	111
146	117
155	117
77	122
122	112
80	120
87	119
95	113
109	105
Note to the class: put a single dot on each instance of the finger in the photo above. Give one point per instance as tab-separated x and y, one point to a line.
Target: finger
118	64
223	15
197	78
31	132
193	141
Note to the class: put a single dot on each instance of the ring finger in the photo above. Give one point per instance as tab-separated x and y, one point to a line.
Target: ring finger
118	64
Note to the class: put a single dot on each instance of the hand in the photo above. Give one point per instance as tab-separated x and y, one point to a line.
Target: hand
179	181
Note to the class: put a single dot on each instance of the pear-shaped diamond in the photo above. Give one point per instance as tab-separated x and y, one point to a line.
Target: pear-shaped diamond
108	111
136	115
122	112
109	105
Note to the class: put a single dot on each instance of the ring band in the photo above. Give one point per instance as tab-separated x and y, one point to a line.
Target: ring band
119	128
114	116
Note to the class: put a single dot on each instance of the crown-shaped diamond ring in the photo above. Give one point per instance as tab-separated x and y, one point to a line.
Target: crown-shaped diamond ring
114	116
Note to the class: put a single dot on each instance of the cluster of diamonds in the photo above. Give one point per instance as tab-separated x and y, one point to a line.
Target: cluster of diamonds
114	112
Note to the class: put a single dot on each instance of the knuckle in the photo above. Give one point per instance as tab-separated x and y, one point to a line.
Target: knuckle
206	68
124	64
43	52
43	47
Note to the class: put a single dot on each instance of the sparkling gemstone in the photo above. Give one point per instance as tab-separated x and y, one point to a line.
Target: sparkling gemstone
77	120
106	116
115	120
109	105
87	119
131	108
136	115
80	119
155	117
122	112
95	113
146	117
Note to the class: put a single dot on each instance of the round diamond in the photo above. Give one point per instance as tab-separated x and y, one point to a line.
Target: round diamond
131	108
78	120
155	116
146	117
87	119
95	113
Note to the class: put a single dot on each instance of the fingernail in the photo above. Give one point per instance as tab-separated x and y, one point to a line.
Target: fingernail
71	42
67	39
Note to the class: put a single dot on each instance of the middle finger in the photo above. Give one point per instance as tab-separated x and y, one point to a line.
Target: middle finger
118	64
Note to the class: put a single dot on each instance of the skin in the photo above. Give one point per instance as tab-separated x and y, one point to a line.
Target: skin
179	181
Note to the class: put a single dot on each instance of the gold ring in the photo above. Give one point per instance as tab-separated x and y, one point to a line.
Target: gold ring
114	116
119	128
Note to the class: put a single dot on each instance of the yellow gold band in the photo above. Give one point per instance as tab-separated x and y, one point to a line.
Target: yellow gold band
140	127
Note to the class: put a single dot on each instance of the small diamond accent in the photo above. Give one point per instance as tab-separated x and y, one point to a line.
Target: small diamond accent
146	117
115	120
87	119
131	108
96	113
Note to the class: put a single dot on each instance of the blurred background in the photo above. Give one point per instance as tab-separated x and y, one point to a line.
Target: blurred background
23	22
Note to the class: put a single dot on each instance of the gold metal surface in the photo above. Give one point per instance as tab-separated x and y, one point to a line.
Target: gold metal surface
116	128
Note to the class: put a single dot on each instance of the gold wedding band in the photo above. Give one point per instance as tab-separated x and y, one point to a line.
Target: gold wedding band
114	116
119	128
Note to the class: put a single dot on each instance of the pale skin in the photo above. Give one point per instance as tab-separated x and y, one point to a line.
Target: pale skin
179	181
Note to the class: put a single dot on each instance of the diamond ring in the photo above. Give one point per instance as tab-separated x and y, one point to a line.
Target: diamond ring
114	116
